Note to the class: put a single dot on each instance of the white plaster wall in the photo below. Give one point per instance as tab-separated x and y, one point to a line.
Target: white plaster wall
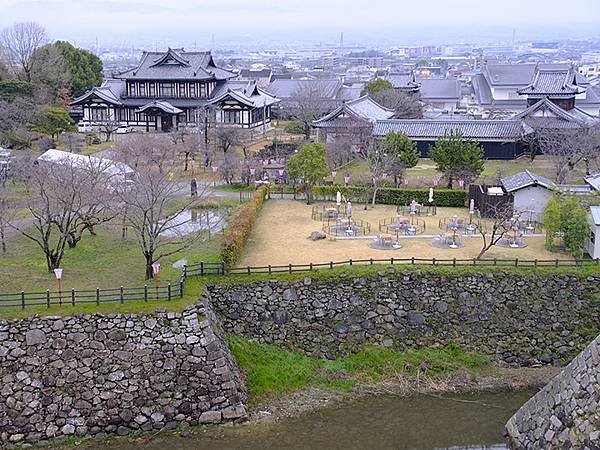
533	198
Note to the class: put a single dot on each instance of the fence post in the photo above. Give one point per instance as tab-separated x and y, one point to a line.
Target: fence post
98	296
371	260
454	261
248	269
556	262
495	261
433	262
535	262
311	267
331	264
413	260
23	300
516	262
290	266
222	268
349	261
180	288
121	296
474	261
47	298
169	291
202	268
72	296
145	292
185	271
392	261
269	269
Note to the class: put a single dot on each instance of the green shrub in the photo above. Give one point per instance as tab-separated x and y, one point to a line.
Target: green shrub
236	233
395	196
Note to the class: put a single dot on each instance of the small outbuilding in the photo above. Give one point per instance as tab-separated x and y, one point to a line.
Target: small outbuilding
530	192
593	243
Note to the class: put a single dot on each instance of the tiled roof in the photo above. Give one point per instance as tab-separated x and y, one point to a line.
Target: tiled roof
505	130
508	74
362	108
289	89
552	82
176	65
546	114
593	181
350	92
524	179
110	91
439	88
595	210
246	92
160	104
402	80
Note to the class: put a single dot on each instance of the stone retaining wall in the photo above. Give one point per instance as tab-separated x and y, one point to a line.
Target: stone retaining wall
526	320
115	373
566	413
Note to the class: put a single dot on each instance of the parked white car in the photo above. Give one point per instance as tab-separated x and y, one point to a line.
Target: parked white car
124	129
84	127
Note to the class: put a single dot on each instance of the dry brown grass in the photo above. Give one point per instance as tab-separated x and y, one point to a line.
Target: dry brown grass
280	236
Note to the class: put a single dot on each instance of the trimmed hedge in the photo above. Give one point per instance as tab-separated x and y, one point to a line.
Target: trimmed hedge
394	196
236	233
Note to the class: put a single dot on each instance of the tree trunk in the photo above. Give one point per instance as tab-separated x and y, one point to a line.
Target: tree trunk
2	239
185	165
149	271
308	194
374	196
450	180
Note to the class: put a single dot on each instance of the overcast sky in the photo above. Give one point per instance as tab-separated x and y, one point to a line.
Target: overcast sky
66	19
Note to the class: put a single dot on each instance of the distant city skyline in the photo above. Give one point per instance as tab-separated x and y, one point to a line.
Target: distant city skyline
311	21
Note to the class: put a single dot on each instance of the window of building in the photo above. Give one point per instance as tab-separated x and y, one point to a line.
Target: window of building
131	89
98	114
231	116
182	89
142	89
167	90
202	90
192	89
152	90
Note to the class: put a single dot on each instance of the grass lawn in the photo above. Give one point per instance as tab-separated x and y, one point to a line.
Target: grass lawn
103	261
280	236
271	370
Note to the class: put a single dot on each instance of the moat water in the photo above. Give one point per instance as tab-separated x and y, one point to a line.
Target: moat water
474	421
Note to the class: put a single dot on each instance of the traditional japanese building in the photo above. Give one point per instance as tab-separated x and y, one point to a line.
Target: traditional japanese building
174	89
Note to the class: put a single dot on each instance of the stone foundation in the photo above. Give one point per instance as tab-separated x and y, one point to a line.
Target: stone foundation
520	320
115	373
566	413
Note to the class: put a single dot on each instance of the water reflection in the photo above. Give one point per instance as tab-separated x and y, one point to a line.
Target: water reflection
193	220
457	422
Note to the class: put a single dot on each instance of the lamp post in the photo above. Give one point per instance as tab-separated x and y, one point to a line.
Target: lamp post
58	274
156	272
214	169
281	172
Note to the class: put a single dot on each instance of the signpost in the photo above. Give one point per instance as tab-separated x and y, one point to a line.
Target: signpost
156	272
58	275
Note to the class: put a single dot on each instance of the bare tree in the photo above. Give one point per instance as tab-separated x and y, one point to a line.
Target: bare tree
503	219
6	215
226	137
228	167
109	127
406	105
190	148
72	141
340	152
141	150
311	100
160	230
382	165
51	75
20	41
178	135
61	198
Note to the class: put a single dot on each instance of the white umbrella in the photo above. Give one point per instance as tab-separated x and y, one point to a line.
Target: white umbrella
338	198
430	195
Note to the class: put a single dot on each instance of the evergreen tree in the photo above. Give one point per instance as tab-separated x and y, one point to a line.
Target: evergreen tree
457	158
309	165
85	68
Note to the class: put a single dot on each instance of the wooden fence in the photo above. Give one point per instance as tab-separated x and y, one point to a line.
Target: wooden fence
204	269
98	296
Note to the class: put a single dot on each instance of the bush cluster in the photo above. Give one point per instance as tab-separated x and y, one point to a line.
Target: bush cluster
394	196
236	233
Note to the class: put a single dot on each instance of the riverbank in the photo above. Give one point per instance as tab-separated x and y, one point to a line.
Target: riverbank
493	379
292	404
